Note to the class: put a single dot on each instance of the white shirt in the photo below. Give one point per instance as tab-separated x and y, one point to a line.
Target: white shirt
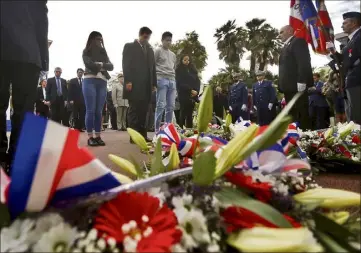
288	40
353	33
44	93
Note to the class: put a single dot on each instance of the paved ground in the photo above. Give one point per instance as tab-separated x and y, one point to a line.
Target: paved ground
118	144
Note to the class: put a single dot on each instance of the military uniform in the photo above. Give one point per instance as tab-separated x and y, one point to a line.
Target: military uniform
350	58
238	100
319	109
264	99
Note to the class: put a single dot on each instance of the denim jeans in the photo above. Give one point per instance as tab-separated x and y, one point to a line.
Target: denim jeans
166	93
95	92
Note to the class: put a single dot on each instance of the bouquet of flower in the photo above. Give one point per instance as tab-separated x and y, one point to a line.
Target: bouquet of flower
336	145
244	195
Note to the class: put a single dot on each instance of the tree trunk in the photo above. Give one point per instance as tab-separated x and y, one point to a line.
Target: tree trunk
263	63
261	66
253	64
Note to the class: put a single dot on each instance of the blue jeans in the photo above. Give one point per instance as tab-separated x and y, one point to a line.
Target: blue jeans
166	93
95	93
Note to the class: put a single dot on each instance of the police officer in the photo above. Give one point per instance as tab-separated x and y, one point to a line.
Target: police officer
319	109
264	99
350	58
238	99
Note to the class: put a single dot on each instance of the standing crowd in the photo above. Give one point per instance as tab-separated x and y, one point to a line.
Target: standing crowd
152	82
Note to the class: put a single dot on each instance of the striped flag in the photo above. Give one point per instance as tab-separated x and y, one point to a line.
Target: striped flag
325	26
50	167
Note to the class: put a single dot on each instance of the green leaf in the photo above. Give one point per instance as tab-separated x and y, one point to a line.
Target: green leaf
157	166
4	215
138	167
204	168
326	225
230	196
275	130
205	110
328	243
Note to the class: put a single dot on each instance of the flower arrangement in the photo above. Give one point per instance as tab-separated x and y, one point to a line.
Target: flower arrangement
232	197
336	145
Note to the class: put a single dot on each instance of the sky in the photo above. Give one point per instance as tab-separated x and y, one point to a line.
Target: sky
70	23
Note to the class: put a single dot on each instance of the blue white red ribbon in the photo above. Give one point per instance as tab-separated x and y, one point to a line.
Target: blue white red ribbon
50	167
169	135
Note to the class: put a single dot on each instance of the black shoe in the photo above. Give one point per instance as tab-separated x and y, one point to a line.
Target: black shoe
147	139
100	141
92	142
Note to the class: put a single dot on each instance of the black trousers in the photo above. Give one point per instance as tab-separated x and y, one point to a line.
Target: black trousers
312	112
79	115
150	117
177	115
23	78
44	112
186	113
299	111
323	117
59	112
113	118
265	116
137	116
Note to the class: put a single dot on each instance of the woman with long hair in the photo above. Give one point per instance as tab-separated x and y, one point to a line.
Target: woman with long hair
188	85
97	64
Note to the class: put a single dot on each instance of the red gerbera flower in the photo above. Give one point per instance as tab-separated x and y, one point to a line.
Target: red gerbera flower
356	139
262	191
137	221
238	218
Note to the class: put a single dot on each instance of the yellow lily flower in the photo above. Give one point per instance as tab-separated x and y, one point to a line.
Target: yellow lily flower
263	239
329	198
124	165
121	178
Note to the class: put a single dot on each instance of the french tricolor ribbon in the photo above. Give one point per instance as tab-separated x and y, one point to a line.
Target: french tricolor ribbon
49	167
169	135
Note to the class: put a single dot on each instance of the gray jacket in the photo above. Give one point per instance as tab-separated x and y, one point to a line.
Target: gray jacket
117	95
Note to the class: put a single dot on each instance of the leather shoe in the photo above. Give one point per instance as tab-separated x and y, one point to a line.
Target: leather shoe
99	141
92	142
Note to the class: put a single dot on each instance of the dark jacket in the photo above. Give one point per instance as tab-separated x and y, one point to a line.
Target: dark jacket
187	80
94	69
39	104
52	90
75	92
139	69
316	97
24	32
294	66
350	58
264	94
238	96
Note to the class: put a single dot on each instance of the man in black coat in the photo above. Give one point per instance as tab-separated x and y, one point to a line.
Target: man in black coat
139	79
350	58
41	105
295	74
24	53
57	96
76	98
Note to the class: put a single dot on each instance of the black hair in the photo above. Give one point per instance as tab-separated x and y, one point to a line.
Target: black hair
41	81
79	69
166	34
145	30
317	75
91	37
356	20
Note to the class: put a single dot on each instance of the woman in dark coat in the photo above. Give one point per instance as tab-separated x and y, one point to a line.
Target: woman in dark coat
188	85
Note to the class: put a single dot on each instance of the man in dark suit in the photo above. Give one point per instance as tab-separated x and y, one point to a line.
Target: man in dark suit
295	74
264	99
350	58
319	109
24	53
57	95
140	79
76	99
238	99
42	107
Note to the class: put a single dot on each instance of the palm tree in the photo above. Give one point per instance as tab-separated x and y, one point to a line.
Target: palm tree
230	45
263	43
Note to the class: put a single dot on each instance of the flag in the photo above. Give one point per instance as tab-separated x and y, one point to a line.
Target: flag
49	167
303	19
324	25
4	184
